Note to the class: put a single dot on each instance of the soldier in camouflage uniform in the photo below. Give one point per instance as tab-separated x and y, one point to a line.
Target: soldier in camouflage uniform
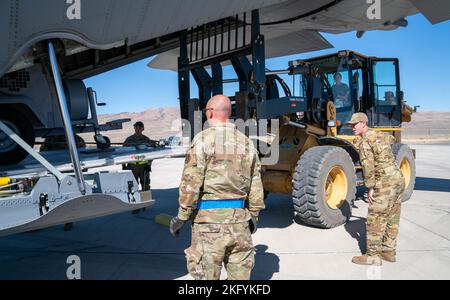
386	184
221	192
141	169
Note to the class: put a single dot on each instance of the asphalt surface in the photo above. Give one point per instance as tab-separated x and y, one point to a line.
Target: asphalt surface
128	246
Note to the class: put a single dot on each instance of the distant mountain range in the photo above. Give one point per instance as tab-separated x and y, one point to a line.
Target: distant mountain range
159	123
164	122
428	126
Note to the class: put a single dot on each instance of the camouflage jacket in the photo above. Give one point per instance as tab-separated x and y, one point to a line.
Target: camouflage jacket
135	140
221	164
377	160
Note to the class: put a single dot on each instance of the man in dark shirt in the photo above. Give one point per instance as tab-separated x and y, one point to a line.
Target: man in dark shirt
141	169
341	92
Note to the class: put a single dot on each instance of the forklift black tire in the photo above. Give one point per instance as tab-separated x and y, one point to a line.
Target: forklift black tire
407	163
10	152
324	187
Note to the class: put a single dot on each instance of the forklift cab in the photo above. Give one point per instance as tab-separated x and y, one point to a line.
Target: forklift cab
342	82
357	83
385	99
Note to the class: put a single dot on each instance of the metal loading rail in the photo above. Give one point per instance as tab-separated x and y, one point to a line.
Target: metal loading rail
89	160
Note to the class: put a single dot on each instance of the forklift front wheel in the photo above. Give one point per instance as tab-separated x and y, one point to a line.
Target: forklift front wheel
324	187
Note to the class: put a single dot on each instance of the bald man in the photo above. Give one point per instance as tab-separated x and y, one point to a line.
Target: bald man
221	192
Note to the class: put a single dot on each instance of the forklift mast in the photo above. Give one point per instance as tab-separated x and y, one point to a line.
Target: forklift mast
232	39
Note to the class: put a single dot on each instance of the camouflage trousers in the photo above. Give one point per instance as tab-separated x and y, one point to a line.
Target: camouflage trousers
383	220
214	245
141	174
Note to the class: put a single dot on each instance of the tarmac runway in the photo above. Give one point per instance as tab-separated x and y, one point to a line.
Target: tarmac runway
128	246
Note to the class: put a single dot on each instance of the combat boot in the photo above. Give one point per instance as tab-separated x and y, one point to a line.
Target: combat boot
388	256
368	260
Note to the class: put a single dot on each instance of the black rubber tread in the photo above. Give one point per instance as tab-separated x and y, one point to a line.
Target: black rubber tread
402	151
26	132
308	186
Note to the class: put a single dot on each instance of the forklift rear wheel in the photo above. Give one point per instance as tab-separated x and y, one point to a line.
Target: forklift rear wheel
324	187
10	152
405	160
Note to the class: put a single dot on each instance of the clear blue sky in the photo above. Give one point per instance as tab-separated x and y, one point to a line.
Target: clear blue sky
423	50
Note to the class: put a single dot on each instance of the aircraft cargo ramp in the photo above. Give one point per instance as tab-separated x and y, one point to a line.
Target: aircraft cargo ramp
31	198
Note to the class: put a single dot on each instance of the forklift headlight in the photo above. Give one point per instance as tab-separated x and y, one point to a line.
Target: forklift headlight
332	123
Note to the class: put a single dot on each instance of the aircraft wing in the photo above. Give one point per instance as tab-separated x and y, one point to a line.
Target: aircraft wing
104	24
435	11
294	26
277	44
110	34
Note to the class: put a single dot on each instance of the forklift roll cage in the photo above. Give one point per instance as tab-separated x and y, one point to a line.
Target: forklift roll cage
364	100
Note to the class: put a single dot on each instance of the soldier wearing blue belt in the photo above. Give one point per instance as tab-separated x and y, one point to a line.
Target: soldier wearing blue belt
221	192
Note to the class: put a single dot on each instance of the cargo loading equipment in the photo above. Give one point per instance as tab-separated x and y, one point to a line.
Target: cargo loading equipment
53	188
33	197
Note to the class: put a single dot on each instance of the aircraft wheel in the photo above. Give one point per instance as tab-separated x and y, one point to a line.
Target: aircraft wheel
10	152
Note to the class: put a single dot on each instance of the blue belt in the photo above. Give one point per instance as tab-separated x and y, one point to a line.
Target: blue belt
217	204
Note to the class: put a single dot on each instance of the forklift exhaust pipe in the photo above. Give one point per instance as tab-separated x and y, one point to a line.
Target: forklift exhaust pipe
62	104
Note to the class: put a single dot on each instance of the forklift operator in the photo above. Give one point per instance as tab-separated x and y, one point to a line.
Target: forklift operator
341	92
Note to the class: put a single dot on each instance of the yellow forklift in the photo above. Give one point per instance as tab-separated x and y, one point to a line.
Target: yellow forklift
317	161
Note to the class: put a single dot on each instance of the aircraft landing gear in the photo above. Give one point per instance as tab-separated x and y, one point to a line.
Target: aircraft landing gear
10	152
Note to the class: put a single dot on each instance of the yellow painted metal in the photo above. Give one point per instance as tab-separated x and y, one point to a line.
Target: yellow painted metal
333	131
348	138
405	168
277	182
163	219
293	142
407	112
5	181
146	196
336	186
331	116
387	129
309	143
310	129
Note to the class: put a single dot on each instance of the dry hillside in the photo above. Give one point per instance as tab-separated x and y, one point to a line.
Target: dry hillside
428	126
159	123
164	122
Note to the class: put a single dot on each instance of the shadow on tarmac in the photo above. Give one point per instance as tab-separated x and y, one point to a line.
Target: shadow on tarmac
279	212
432	184
266	264
357	230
